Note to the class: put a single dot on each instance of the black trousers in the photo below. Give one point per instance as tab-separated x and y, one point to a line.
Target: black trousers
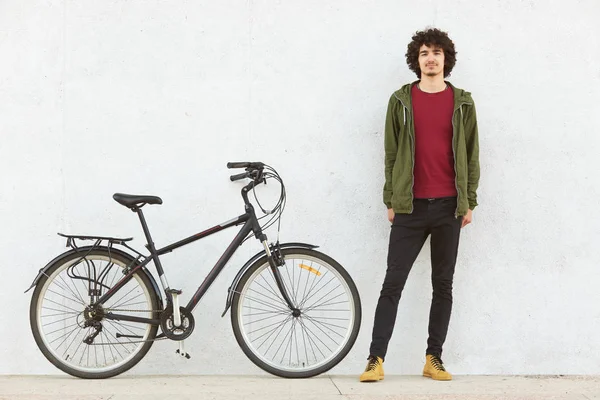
433	217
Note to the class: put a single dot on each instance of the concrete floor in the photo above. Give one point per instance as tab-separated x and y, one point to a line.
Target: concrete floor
325	387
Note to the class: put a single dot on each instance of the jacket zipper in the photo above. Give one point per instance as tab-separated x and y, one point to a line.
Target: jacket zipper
412	141
412	187
454	154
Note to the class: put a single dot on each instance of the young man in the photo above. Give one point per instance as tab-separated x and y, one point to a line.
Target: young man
431	178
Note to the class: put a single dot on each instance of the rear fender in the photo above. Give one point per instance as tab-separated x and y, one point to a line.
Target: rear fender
129	257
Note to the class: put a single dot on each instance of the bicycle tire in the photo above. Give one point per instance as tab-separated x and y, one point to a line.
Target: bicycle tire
261	360
53	273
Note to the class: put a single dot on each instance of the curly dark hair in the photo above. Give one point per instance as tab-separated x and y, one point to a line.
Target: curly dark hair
431	37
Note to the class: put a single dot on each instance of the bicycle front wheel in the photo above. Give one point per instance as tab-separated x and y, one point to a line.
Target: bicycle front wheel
298	344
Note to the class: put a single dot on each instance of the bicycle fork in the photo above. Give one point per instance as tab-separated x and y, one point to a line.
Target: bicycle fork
275	261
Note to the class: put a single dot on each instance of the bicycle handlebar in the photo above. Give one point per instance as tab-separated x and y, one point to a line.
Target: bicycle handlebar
239	176
253	165
255	171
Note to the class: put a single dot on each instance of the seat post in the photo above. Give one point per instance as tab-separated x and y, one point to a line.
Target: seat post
150	246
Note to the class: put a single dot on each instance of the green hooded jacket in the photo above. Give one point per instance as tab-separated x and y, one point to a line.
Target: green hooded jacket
400	151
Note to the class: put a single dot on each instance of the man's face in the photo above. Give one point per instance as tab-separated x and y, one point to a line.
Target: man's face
431	60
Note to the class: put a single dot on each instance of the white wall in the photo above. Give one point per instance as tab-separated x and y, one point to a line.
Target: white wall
155	97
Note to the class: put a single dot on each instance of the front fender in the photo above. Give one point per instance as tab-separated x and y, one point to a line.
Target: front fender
42	272
250	262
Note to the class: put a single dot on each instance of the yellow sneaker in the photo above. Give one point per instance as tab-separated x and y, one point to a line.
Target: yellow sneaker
434	369
374	370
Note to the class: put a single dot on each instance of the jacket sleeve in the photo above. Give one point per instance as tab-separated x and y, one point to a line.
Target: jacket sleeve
392	128
472	142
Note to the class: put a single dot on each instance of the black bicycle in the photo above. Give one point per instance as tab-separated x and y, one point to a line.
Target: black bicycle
96	310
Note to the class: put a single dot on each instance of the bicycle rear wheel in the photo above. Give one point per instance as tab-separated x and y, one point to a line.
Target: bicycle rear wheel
76	338
305	343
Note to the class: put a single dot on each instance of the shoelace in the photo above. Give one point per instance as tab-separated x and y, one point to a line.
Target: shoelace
373	363
437	363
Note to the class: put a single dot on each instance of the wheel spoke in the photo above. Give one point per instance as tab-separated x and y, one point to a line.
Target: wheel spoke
62	328
331	318
273	331
261	313
288	343
276	292
264	327
314	283
66	287
310	339
79	345
116	340
309	296
79	331
122	297
127	303
62	305
327	325
326	302
306	348
285	337
126	326
262	319
295	338
267	297
110	346
264	303
65	338
54	322
62	313
329	304
269	311
66	297
114	278
114	346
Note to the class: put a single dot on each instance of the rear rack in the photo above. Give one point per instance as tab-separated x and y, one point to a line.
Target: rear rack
112	240
71	242
96	280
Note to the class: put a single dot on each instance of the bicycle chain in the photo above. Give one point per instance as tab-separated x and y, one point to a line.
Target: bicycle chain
136	341
122	343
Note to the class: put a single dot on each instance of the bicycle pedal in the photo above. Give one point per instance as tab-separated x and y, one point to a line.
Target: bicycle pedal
181	351
183	354
174	291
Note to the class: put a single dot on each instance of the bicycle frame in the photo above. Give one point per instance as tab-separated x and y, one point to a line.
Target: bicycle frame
250	225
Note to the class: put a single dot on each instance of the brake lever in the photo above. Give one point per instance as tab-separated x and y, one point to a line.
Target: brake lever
257	175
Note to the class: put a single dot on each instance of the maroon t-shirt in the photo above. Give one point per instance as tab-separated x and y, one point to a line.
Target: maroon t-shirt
434	158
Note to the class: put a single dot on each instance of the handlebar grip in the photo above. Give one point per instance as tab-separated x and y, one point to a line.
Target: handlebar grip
238	164
239	176
256	165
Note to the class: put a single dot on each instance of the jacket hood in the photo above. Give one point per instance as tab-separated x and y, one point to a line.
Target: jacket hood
460	95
